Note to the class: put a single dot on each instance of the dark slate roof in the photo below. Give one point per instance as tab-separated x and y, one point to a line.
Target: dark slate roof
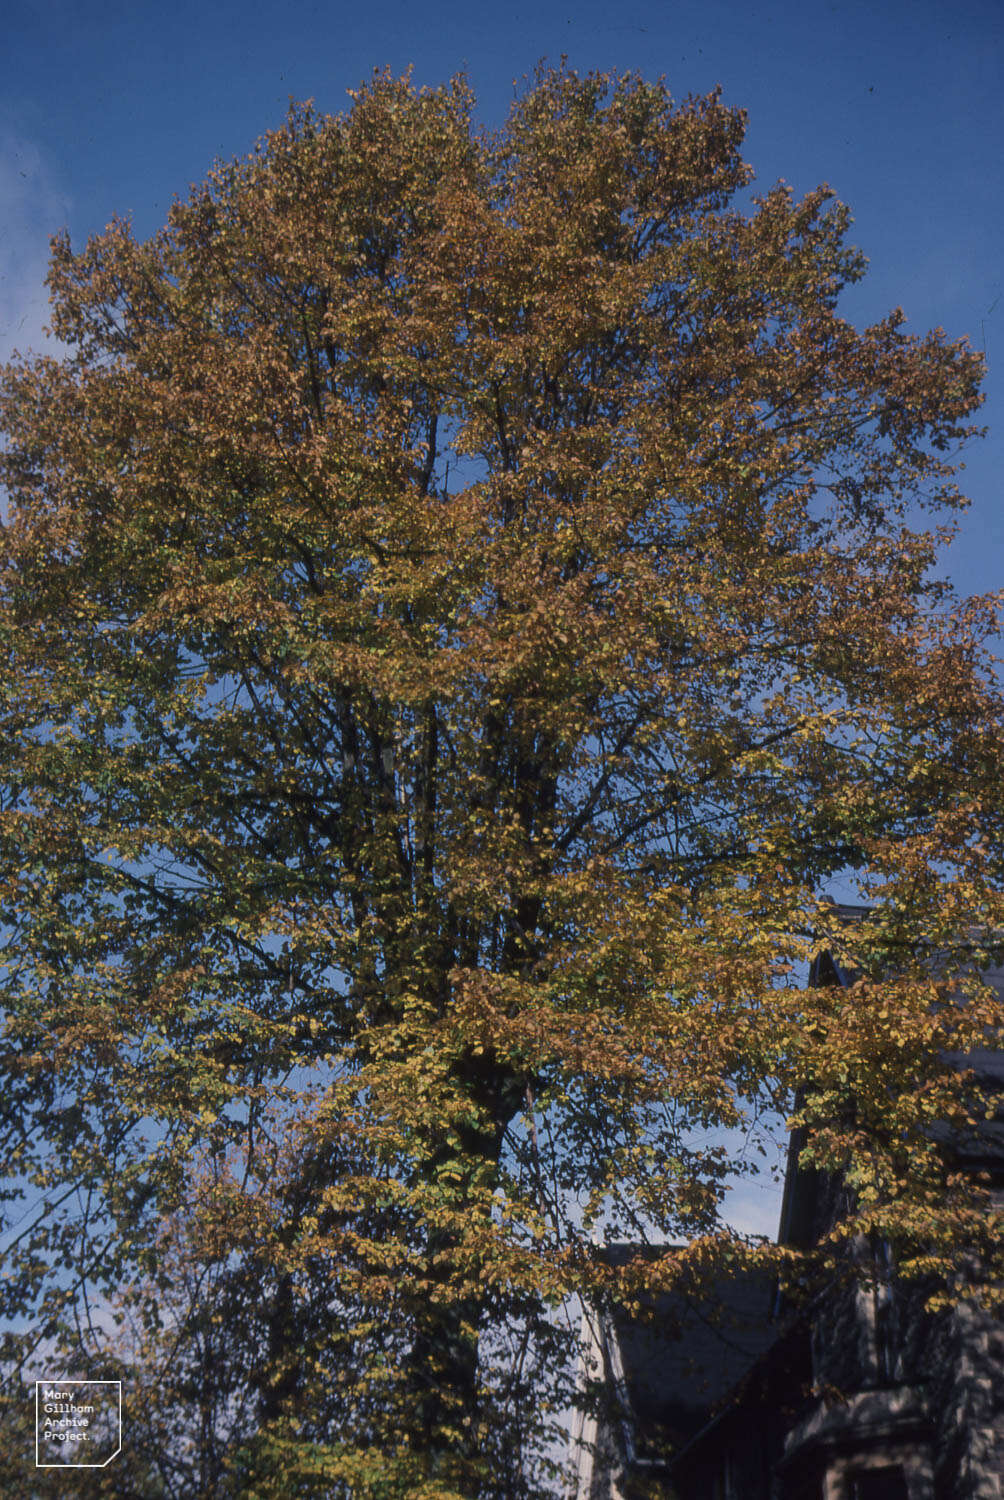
681	1362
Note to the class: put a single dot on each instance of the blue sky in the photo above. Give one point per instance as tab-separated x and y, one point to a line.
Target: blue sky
113	107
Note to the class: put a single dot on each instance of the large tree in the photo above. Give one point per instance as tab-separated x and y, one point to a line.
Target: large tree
463	601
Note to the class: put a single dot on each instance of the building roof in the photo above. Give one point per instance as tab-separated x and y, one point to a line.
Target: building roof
679	1364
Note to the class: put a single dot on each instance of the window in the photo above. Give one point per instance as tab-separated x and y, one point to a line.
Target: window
724	1482
884	1312
879	1484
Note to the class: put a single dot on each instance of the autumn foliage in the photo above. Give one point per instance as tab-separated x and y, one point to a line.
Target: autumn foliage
465	600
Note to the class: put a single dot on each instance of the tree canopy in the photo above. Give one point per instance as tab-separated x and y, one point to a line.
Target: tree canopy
466	597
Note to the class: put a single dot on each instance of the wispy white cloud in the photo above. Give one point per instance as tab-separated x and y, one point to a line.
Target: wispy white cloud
33	206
